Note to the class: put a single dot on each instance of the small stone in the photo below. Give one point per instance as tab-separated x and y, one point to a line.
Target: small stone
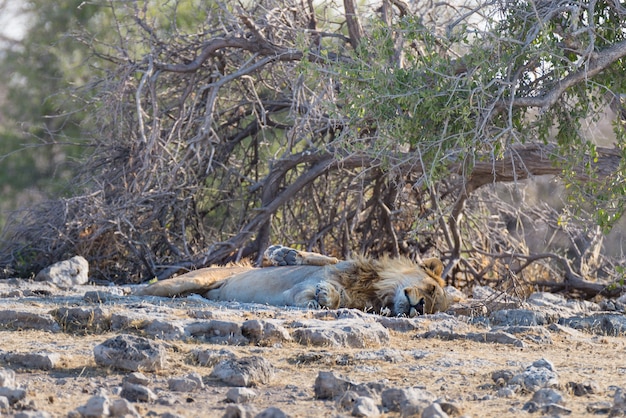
196	378
411	401
505	392
13	395
137	393
264	333
356	333
82	320
545	364
272	412
137	378
400	324
210	358
524	317
619	398
347	400
329	386
502	376
39	361
613	324
217	332
132	353
451	408
7	378
247	371
11	319
100	296
240	395
32	414
530	407
554	409
66	274
164	330
96	407
547	396
434	411
240	411
540	374
365	407
123	408
185	384
4	403
601	407
588	387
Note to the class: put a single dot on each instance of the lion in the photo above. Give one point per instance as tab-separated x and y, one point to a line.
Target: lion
389	286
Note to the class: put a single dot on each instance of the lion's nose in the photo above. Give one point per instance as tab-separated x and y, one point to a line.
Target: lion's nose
415	309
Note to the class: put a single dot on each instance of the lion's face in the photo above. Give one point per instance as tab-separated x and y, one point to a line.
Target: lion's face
418	300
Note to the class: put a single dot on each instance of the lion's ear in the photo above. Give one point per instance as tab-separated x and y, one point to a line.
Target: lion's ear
434	265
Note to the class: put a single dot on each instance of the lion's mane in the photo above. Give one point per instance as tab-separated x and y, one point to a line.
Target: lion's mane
379	284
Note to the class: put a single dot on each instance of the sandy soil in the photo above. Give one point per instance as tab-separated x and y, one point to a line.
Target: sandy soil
456	370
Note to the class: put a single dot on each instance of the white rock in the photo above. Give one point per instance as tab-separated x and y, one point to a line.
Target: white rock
67	273
7	378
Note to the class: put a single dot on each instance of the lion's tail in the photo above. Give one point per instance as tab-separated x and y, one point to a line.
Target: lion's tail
197	281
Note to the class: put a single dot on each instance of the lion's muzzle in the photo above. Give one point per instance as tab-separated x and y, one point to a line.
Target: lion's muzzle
415	309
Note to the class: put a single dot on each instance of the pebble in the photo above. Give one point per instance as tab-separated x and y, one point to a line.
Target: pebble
137	393
355	333
247	371
185	384
272	412
240	395
123	408
12	319
240	411
365	407
39	361
329	386
137	378
132	353
96	406
7	378
407	401
66	274
541	374
434	411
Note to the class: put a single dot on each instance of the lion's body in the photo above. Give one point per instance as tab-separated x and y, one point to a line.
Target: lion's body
278	286
395	286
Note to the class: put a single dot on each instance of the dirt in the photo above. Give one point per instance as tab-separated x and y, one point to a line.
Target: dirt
459	370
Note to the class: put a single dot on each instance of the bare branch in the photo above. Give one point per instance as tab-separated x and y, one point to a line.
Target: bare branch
599	62
523	162
354	25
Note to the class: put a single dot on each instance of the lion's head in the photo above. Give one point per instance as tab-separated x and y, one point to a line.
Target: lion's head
411	289
426	298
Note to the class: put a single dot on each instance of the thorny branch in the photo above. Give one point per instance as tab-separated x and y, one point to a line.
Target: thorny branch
218	142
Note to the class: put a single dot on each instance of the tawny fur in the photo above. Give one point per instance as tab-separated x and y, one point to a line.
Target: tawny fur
393	285
374	284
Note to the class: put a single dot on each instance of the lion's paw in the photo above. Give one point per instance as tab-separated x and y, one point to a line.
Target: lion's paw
328	296
313	304
278	255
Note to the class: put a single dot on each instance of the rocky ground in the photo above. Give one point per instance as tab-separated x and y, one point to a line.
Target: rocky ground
98	351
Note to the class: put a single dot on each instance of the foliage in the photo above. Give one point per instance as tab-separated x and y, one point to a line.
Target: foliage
218	128
45	105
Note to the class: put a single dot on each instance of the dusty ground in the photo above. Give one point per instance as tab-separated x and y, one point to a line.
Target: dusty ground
458	370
